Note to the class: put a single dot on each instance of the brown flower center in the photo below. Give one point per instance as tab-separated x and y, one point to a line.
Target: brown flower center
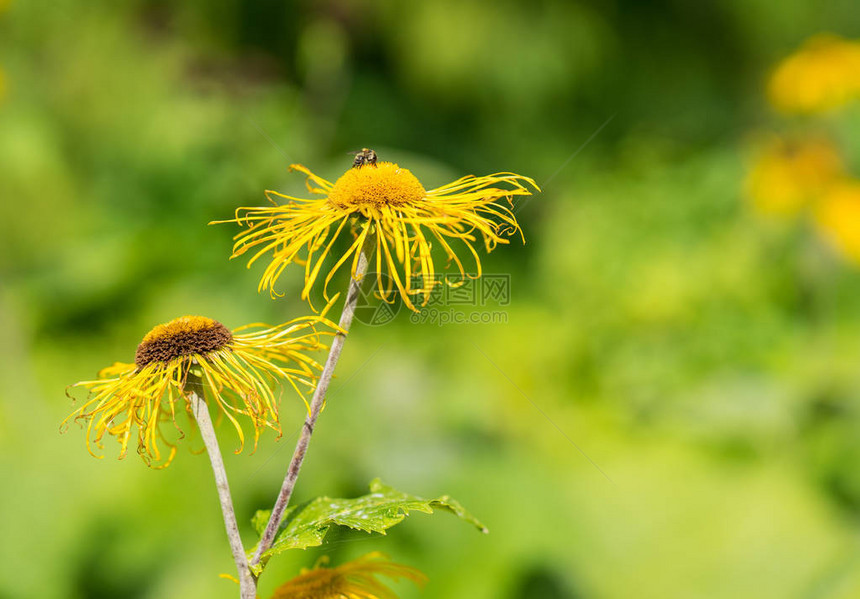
184	336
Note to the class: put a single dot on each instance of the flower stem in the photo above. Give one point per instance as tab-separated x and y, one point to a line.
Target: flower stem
316	405
247	583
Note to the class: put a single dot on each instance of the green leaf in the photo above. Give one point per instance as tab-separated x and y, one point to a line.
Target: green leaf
306	525
260	520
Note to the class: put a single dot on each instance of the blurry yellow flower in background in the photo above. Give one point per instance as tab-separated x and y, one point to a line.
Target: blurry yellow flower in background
236	371
838	217
787	176
822	75
387	207
352	580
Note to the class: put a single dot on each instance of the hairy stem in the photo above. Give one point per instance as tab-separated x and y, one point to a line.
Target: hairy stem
316	405
247	583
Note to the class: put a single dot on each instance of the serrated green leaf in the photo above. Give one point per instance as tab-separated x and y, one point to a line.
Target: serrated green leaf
307	525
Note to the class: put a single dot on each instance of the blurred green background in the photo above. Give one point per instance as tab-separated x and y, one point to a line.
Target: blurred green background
703	357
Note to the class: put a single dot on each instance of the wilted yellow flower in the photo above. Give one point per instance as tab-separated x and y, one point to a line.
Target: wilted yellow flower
838	217
352	580
236	370
789	175
388	207
822	75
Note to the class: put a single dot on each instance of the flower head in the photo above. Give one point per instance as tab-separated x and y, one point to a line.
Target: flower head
824	74
389	211
789	175
352	580
235	370
838	218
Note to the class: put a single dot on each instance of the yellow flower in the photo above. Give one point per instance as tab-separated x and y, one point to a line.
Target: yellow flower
822	75
387	207
838	217
352	580
236	371
787	176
